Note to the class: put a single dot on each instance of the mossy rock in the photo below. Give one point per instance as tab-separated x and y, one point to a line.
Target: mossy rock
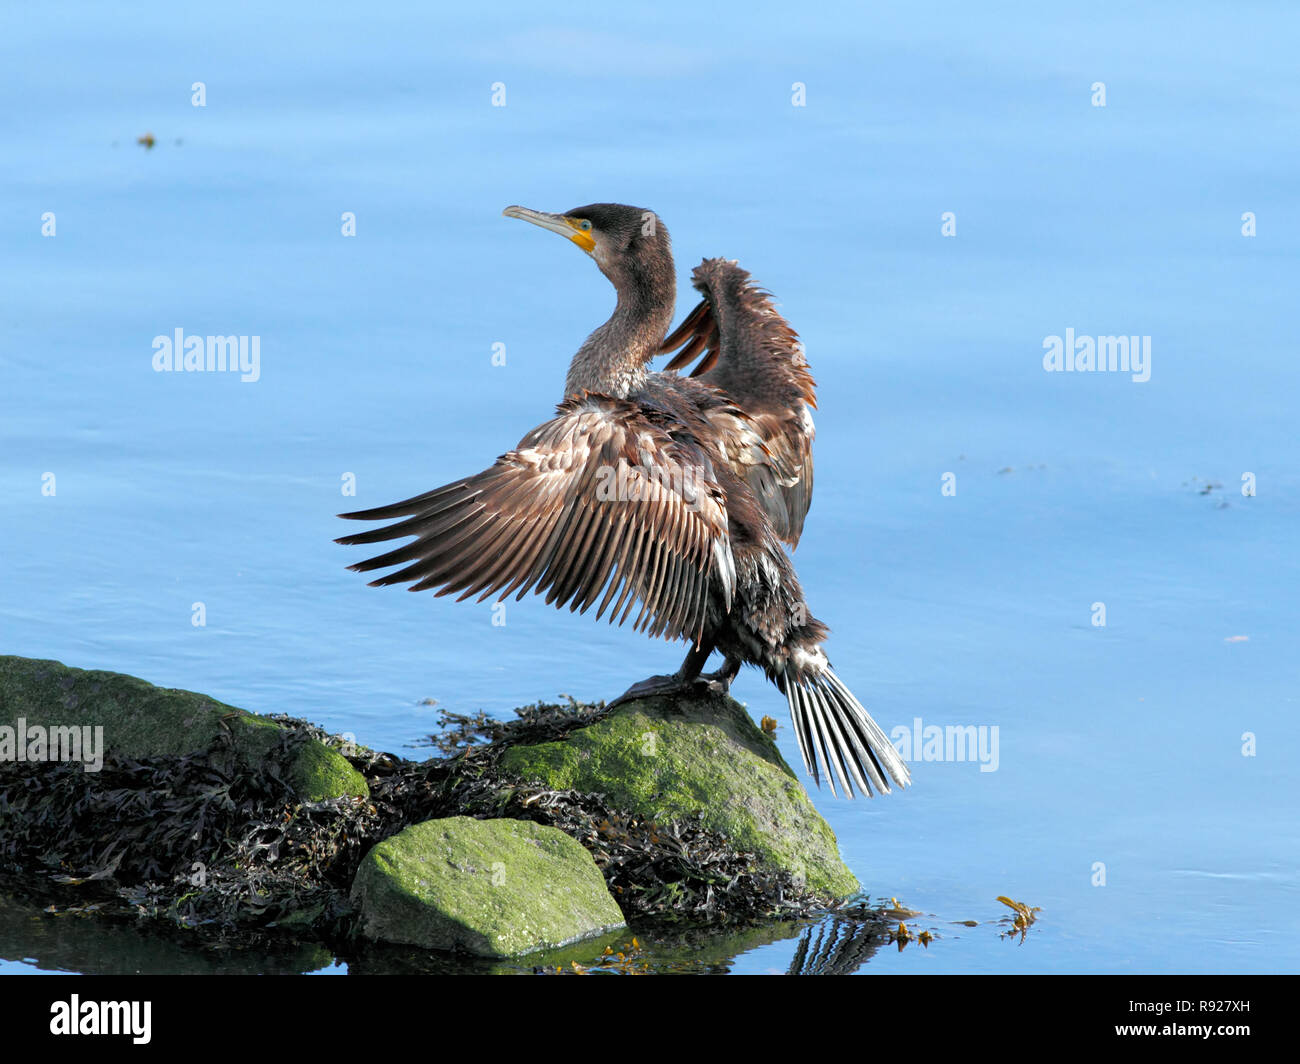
664	758
493	888
141	720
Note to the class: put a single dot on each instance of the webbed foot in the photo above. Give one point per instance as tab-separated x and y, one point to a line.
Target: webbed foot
674	684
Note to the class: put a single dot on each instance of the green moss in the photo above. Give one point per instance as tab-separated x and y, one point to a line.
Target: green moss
141	720
318	772
495	888
663	759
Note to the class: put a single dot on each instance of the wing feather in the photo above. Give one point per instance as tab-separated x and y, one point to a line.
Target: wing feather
753	356
589	502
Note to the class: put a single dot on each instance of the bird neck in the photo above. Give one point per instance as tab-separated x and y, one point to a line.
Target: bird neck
615	358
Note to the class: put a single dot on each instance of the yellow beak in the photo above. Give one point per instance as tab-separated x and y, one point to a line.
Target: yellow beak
556	223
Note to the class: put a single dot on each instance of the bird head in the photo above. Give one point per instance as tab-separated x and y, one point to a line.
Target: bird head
630	244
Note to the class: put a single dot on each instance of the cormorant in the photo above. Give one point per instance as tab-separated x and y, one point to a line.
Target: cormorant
669	492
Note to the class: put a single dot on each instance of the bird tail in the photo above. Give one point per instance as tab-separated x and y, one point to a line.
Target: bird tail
833	729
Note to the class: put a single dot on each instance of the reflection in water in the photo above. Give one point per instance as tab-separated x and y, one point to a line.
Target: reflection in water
836	945
93	946
839	945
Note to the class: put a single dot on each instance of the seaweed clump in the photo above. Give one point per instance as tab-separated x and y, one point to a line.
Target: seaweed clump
185	842
182	839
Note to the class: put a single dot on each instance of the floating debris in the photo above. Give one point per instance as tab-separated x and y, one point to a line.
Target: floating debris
1024	917
627	961
895	911
147	140
902	936
1203	487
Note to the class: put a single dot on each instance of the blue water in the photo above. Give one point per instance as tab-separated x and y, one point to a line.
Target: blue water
1120	744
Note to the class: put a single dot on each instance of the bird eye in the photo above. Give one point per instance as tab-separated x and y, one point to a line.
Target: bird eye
584	225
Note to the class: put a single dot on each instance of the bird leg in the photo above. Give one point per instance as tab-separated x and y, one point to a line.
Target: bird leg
723	677
685	681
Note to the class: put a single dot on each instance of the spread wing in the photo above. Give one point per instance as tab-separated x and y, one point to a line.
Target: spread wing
607	497
751	353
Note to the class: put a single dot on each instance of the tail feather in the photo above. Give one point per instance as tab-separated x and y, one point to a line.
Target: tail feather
799	718
815	722
837	734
